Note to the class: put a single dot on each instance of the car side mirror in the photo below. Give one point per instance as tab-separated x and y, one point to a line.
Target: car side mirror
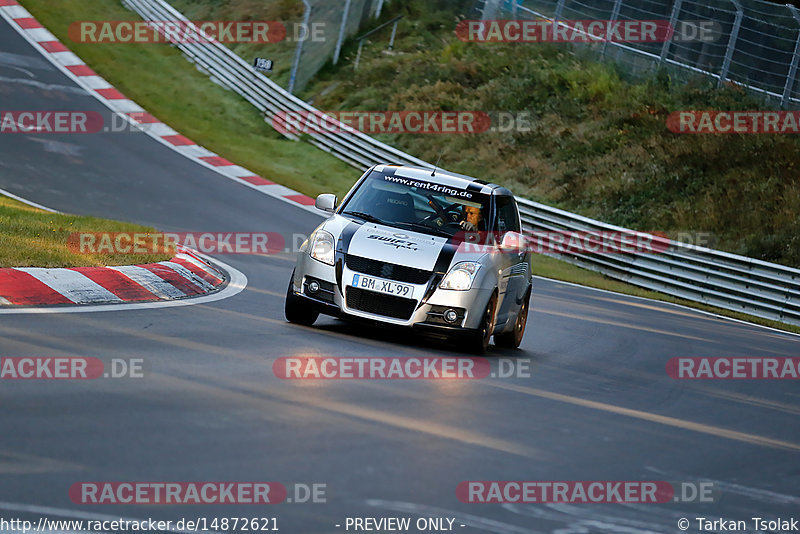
326	202
512	242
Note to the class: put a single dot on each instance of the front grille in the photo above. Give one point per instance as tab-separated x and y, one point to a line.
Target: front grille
380	304
390	271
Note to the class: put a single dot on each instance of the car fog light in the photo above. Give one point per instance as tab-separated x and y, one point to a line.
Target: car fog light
451	316
313	287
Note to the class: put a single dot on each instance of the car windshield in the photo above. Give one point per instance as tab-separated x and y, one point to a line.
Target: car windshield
417	205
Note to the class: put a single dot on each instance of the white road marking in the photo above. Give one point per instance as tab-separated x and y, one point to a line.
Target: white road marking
670	304
28	202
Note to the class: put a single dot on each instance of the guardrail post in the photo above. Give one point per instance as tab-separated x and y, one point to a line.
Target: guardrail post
358	54
737	23
673	19
394	34
379	9
341	32
558	11
490	8
612	19
787	89
299	50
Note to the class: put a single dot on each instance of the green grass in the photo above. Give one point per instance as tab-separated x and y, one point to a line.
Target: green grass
30	237
586	117
287	12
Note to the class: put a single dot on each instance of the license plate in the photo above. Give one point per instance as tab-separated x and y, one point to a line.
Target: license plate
383	286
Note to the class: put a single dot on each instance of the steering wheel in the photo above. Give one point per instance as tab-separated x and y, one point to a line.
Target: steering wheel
442	212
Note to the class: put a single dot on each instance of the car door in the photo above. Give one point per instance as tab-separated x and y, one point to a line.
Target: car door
513	264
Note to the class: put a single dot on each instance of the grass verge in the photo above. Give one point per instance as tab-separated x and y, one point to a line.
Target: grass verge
30	237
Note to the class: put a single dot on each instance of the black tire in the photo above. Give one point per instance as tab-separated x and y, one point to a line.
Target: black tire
297	311
513	339
478	342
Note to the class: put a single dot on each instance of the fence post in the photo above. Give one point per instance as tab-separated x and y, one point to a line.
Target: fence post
726	63
612	19
341	32
673	19
299	50
514	7
559	9
378	11
787	89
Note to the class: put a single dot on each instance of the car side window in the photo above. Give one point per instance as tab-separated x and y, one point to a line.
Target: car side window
507	215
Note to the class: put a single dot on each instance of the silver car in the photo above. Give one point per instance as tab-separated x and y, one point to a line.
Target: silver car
436	251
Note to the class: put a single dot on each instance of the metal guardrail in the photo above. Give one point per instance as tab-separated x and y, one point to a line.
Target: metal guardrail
691	272
686	271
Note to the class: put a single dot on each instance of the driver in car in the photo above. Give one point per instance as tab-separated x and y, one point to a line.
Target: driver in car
471	218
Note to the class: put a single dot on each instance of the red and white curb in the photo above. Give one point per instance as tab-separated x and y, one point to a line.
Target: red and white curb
186	279
185	275
72	66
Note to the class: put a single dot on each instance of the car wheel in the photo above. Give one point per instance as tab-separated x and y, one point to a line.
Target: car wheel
513	339
479	340
297	311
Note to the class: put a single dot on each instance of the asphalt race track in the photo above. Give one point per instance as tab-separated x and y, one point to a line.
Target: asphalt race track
598	404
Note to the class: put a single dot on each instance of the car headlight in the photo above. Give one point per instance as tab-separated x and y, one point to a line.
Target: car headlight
461	276
322	247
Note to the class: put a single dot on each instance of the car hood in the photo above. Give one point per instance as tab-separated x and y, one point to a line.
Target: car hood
394	245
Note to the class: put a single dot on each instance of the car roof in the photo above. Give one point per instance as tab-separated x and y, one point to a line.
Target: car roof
445	177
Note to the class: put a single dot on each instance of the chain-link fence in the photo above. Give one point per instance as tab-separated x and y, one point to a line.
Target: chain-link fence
329	22
750	42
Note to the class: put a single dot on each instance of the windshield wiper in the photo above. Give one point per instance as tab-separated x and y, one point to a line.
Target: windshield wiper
366	216
427	229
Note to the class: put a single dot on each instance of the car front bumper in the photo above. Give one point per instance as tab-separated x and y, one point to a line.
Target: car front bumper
429	300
